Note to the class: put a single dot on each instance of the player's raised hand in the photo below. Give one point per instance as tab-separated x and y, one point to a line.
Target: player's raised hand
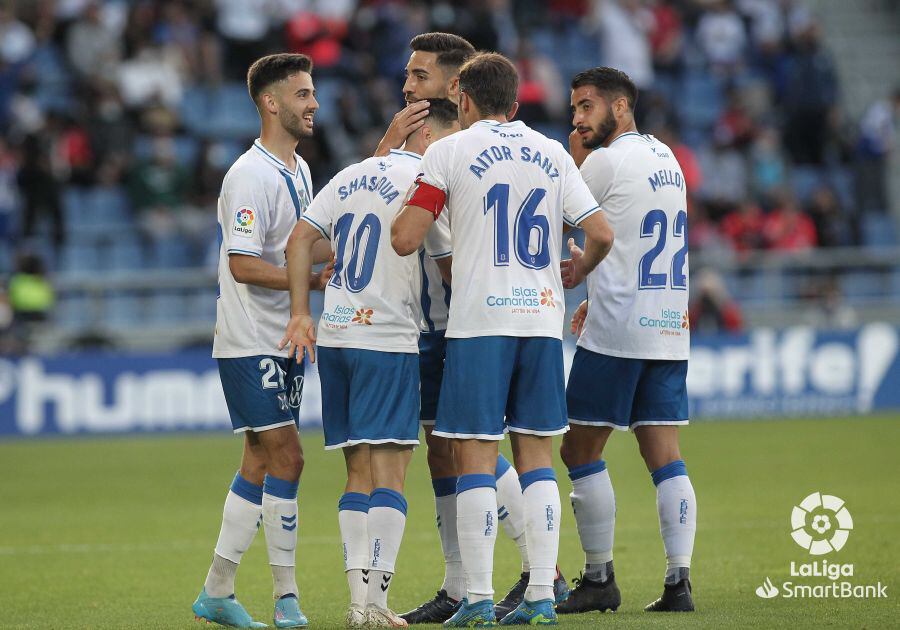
577	149
578	318
570	269
300	338
404	123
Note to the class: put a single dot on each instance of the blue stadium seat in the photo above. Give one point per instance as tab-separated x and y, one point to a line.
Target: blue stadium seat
701	100
125	254
79	257
232	114
186	149
879	230
805	180
201	307
73	311
108	205
124	310
166	308
861	284
170	252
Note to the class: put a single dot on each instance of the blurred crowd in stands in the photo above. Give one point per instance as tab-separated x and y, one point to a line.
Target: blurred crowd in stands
119	118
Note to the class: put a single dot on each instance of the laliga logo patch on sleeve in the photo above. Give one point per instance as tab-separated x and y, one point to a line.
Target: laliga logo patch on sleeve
244	219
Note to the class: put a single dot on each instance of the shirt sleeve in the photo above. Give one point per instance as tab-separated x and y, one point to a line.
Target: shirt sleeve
245	209
437	240
320	213
435	166
578	201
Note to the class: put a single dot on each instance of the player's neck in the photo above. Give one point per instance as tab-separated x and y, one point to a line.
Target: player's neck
629	127
281	145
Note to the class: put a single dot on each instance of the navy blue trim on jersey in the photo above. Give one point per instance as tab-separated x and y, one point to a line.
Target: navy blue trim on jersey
316	225
439	256
446	293
293	190
243	252
406	153
627	133
585	214
424	298
278	163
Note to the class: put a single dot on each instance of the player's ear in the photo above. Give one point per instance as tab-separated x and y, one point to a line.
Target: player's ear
512	111
267	102
453	89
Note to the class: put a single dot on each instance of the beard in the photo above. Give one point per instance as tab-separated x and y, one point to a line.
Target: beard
293	124
604	130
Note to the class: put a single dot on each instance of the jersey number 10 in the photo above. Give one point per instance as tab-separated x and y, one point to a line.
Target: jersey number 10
365	245
646	278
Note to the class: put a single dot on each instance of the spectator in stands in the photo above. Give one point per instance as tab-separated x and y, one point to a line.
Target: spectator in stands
828	310
767	163
787	228
17	42
711	309
722	37
31	295
877	139
40	190
687	158
244	26
734	128
158	187
9	199
625	34
153	76
542	95
833	226
93	48
810	98
744	227
666	37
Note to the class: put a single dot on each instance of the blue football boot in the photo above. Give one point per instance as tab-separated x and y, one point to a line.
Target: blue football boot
225	611
539	613
288	613
477	615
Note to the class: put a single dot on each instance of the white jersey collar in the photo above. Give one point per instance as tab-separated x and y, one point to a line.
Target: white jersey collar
271	157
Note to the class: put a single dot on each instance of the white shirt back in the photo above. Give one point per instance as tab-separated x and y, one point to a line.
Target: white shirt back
371	302
259	205
508	189
638	295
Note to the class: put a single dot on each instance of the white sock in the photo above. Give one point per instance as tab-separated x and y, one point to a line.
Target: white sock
594	505
240	521
280	521
542	521
387	519
476	524
353	512
677	507
445	507
510	507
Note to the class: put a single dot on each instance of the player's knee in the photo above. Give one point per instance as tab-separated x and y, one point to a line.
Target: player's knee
254	471
571	453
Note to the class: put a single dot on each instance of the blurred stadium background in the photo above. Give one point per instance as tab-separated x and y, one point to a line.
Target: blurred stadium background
118	120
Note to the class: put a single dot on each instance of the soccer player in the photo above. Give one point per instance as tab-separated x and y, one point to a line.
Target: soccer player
368	363
506	189
630	366
264	194
433	72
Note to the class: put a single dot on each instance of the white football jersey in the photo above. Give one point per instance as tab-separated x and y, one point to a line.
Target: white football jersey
260	202
371	301
638	295
435	293
507	189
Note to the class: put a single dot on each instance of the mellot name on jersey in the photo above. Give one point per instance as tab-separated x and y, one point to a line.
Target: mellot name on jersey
666	178
497	154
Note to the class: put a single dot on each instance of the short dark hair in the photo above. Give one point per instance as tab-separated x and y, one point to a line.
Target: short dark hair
273	68
611	83
443	111
451	50
491	80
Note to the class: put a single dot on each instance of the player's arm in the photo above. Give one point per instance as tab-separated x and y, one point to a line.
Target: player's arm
404	123
445	265
409	227
248	269
597	243
300	336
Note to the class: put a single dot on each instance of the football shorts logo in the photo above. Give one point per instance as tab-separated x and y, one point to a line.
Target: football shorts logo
821	524
295	396
362	316
244	220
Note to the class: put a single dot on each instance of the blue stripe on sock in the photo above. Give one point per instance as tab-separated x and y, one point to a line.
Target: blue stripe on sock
672	469
246	490
502	466
355	501
468	482
273	486
444	487
538	474
385	497
592	468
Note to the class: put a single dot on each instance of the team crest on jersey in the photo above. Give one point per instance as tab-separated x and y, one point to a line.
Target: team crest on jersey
244	220
363	316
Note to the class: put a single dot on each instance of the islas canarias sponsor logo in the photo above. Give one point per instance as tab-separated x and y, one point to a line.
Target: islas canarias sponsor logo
667	321
523	297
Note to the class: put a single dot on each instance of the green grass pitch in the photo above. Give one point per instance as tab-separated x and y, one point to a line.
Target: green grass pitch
118	533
